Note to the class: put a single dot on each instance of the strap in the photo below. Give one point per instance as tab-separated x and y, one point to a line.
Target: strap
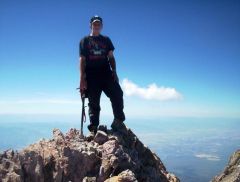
84	115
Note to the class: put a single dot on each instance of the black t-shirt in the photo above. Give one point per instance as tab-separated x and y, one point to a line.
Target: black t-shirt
95	49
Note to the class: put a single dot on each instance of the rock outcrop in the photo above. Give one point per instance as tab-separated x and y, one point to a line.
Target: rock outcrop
231	173
111	156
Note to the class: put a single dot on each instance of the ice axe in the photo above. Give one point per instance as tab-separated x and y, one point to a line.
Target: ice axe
83	117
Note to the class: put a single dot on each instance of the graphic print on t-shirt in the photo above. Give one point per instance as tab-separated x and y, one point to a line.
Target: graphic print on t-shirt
97	49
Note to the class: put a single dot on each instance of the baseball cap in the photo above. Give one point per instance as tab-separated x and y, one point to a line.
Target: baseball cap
95	18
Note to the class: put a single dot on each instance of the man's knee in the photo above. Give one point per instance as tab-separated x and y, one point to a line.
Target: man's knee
119	89
117	92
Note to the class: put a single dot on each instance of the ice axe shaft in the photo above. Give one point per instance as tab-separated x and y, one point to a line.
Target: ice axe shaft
83	117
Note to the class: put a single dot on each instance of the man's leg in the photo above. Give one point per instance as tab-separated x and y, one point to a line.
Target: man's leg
114	92
94	93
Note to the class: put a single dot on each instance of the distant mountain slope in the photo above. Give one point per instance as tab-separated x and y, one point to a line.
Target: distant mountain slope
231	173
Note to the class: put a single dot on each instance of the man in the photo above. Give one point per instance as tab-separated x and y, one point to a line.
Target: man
98	73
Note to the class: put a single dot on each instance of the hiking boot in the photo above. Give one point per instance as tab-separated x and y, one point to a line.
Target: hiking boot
118	125
92	133
92	128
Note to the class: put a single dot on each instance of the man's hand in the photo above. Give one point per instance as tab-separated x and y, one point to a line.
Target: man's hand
83	85
115	77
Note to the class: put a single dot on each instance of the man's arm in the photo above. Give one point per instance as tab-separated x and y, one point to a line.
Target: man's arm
82	57
83	83
82	67
113	65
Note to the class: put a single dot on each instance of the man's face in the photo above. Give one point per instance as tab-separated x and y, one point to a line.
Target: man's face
96	27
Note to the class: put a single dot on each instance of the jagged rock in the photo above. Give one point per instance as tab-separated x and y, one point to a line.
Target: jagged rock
89	179
124	176
231	173
58	136
100	137
110	156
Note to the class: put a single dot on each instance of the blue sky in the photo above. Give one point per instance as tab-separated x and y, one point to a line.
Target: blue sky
181	58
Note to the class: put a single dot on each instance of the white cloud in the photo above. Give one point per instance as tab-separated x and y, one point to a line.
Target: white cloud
151	92
209	157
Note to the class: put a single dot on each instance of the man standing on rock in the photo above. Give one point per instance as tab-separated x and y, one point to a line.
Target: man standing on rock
98	73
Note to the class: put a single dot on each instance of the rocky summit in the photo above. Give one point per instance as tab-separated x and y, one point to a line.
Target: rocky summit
231	173
109	156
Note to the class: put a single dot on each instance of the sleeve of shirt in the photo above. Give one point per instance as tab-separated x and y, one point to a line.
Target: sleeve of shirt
110	45
82	47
